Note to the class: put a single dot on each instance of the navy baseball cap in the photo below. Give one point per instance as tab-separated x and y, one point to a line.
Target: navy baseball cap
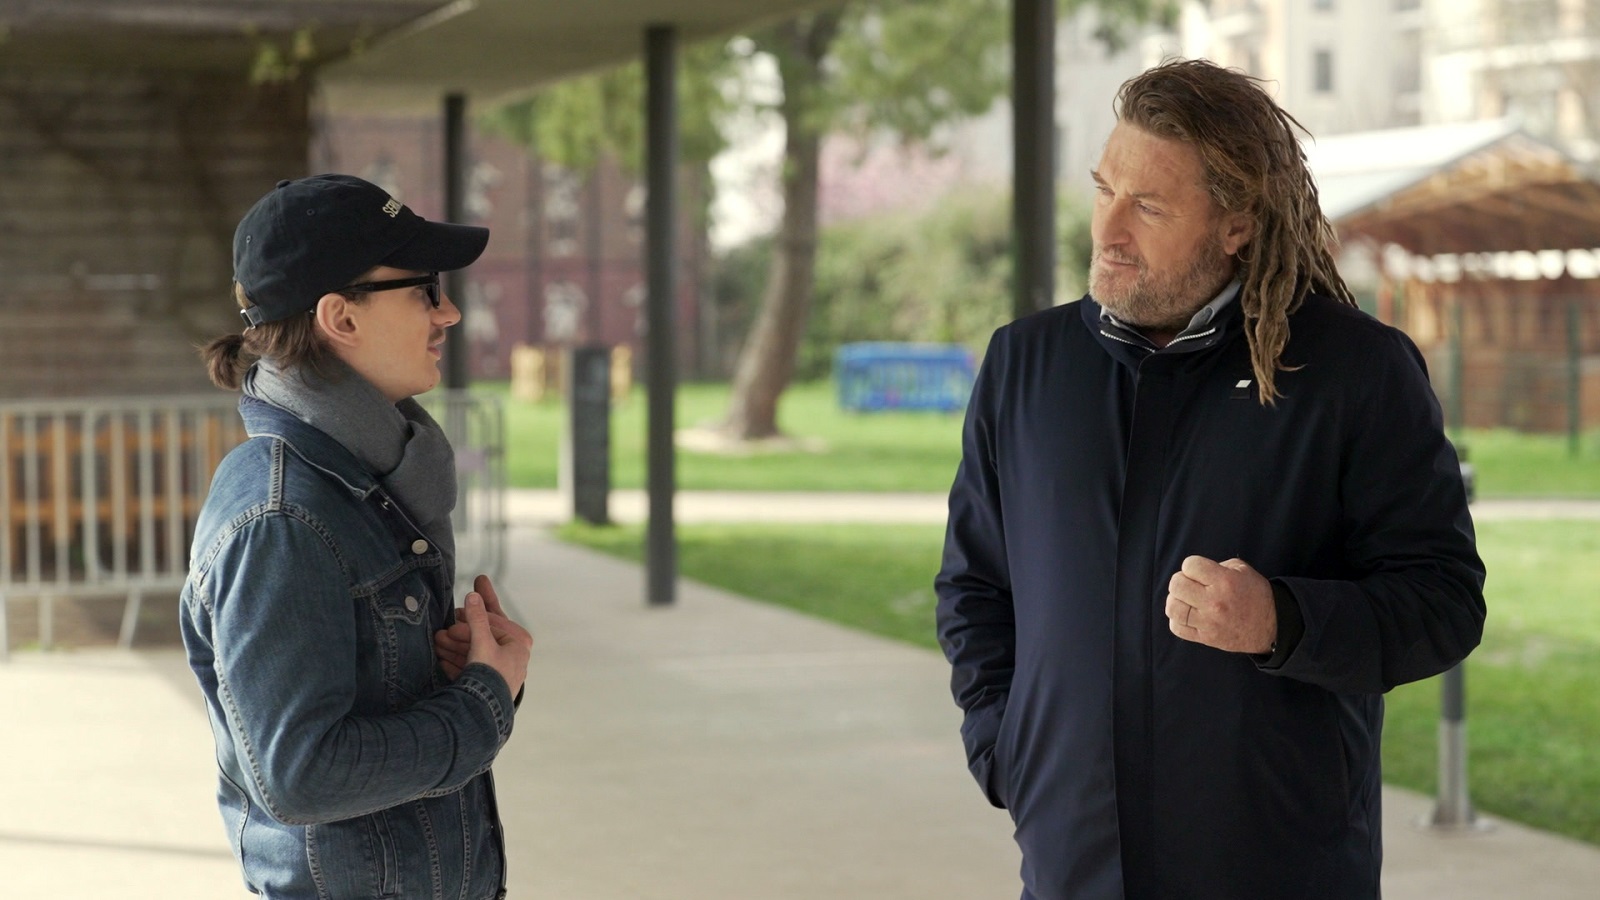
315	235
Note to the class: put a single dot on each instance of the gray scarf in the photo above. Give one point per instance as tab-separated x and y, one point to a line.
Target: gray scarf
398	442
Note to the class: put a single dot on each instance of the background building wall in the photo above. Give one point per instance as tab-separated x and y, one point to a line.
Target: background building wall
1336	65
565	261
119	193
1534	60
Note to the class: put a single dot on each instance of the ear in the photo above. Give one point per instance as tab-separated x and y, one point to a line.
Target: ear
336	321
1237	230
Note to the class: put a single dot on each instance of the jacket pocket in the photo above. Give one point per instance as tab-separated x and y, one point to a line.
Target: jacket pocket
354	858
1005	763
992	767
1300	767
404	625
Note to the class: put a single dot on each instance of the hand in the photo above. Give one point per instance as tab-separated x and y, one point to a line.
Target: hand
483	633
1225	605
452	645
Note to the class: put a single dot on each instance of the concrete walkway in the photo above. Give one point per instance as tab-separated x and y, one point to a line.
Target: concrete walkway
719	749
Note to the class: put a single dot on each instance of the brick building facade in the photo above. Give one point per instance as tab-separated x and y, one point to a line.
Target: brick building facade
565	262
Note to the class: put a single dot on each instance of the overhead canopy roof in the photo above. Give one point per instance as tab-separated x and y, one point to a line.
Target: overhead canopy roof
187	34
496	49
373	54
1474	188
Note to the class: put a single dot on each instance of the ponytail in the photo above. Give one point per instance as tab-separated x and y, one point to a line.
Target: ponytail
291	343
225	362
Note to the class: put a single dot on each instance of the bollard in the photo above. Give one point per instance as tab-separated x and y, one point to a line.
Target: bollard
586	445
1452	809
1469	476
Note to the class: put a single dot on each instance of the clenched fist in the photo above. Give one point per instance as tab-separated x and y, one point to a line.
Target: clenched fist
1225	605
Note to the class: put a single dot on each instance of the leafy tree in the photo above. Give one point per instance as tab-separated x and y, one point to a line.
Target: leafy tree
941	274
898	65
903	67
578	122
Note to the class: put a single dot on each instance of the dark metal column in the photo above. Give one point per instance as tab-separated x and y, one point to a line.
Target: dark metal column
1033	35
1574	377
456	374
661	129
1458	369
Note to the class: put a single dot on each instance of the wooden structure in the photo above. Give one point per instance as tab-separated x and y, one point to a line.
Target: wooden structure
1489	242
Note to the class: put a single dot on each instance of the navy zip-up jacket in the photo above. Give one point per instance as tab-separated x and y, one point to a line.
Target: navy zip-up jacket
1140	766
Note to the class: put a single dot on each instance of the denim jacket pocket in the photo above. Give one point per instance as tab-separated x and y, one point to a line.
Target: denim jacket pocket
354	858
404	621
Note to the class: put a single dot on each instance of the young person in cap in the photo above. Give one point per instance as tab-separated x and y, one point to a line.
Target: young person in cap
355	717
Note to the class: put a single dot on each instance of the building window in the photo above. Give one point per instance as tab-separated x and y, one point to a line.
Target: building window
1408	76
1322	71
563	210
1408	62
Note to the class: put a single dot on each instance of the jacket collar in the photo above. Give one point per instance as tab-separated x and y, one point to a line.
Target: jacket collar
317	448
1212	325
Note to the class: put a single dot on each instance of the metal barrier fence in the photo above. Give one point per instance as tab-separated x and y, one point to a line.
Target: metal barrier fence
100	496
475	424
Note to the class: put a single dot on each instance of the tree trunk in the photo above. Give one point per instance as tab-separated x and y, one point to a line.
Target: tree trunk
767	359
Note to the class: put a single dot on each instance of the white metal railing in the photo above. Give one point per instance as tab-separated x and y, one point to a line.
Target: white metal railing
100	496
475	423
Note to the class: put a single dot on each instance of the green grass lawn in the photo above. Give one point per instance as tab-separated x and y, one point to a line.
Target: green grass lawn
915	451
1512	464
1533	710
874	577
904	451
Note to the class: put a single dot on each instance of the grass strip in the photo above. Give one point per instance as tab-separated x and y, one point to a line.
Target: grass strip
836	450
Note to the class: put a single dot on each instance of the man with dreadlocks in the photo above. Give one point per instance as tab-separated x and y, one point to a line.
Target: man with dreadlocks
1204	518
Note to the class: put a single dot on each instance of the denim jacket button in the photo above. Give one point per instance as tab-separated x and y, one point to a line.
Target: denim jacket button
419	546
412	604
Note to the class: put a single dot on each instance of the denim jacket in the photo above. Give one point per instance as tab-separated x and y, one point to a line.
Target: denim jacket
350	767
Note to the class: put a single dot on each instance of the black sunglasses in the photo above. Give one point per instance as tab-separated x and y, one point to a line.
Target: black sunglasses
429	281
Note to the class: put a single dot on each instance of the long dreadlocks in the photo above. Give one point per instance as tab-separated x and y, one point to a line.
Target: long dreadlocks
1253	164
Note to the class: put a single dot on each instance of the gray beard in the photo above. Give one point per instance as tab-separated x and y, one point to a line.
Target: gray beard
1165	304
